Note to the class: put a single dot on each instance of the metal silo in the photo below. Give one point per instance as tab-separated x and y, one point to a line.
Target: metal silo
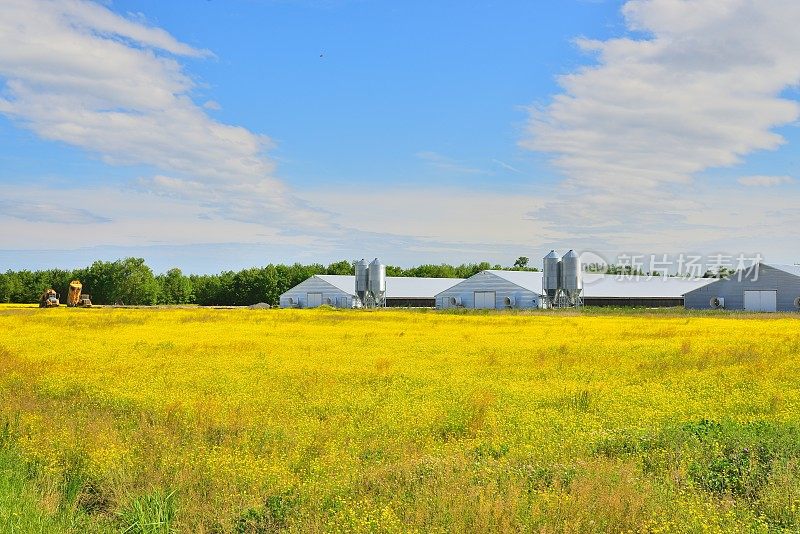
551	277
571	278
377	281
362	280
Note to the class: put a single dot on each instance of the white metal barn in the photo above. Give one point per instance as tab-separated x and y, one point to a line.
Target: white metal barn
495	289
638	291
333	290
340	291
765	288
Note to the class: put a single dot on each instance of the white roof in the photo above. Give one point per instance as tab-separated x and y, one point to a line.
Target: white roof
748	272
611	286
791	269
342	282
530	280
396	286
614	286
411	287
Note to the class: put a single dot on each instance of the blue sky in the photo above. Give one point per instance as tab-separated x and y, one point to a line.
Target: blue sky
395	79
218	135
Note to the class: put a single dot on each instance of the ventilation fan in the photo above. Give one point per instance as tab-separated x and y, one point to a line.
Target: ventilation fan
797	302
717	302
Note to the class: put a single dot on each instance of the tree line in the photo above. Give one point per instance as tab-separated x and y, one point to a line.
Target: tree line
130	281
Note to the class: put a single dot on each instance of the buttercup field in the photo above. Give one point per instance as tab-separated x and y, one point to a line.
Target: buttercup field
207	420
448	267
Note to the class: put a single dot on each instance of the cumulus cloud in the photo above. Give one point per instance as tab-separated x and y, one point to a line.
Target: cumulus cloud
77	73
700	88
765	181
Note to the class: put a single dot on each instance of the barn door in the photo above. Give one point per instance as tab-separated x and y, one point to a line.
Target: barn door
314	300
484	300
761	301
769	301
752	301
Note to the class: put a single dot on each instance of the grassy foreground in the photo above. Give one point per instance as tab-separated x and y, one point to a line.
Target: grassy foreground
395	421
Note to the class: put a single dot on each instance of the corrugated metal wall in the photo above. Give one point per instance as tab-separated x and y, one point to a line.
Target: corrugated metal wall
299	294
405	302
769	279
633	302
484	281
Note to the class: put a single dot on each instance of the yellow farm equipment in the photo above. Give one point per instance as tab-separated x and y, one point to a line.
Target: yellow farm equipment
76	299
49	299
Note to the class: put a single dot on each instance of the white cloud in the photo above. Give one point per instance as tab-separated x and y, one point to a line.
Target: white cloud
765	181
78	73
120	217
439	215
400	225
702	89
97	19
47	211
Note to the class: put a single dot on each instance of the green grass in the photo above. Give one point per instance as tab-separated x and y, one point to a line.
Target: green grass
24	492
153	513
20	509
32	501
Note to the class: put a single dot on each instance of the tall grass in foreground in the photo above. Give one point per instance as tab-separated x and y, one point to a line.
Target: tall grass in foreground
254	421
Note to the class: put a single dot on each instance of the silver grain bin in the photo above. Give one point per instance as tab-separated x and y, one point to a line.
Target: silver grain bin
551	276
571	277
377	281
362	280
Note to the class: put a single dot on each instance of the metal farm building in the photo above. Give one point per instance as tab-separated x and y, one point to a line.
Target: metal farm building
340	291
494	289
562	283
766	288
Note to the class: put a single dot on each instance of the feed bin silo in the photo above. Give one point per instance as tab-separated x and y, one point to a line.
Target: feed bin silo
377	282
572	278
551	277
362	280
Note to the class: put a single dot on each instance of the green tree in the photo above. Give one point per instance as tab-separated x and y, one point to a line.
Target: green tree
175	288
272	283
521	262
208	289
248	287
131	281
99	281
340	267
134	282
5	293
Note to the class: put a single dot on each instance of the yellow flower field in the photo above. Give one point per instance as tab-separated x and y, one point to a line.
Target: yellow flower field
204	420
